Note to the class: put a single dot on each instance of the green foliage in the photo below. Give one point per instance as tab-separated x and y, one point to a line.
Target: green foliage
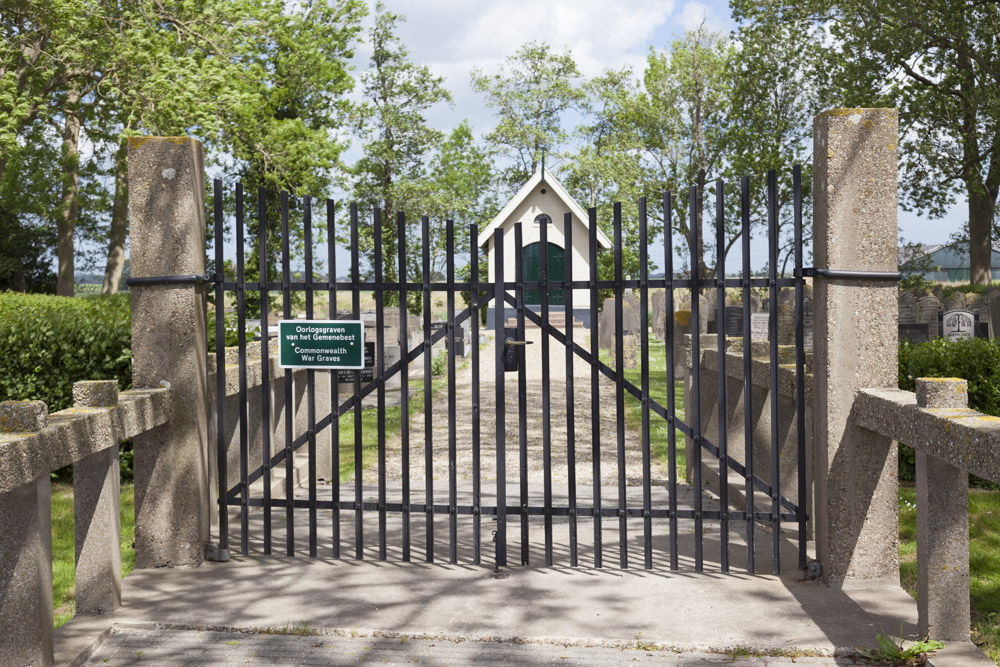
938	63
439	364
976	360
49	342
232	334
889	651
948	290
530	94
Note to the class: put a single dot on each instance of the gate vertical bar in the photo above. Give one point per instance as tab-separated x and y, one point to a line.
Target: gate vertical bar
647	497
404	382
522	393
543	256
286	304
452	416
241	337
720	319
380	378
800	363
331	259
359	525
620	389
265	365
772	259
425	234
310	377
747	372
476	491
501	433
696	375
570	391
668	264
220	366
595	397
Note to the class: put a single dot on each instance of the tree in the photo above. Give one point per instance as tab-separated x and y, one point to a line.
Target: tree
397	140
607	167
530	94
938	62
459	187
685	122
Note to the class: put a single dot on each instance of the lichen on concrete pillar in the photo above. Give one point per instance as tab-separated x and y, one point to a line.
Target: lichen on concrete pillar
856	338
167	227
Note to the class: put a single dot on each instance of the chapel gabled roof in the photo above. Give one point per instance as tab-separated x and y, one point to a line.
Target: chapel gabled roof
527	189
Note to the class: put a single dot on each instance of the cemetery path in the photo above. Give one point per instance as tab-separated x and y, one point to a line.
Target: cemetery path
534	422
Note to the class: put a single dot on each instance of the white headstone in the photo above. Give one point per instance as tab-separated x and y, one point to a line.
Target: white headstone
759	323
958	324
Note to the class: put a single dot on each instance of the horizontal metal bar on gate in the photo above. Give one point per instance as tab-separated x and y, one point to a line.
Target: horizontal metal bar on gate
653	283
348	405
190	279
654	406
484	510
849	274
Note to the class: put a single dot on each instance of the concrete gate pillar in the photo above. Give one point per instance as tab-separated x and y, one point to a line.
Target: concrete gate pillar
167	222
856	335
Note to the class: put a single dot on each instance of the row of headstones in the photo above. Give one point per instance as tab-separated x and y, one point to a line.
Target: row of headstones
958	315
733	314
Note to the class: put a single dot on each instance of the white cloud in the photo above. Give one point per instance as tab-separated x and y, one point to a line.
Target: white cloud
694	13
455	36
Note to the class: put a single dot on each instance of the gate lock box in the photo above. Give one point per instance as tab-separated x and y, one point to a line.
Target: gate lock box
511	344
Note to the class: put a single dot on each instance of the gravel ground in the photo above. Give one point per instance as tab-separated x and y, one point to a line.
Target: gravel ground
534	423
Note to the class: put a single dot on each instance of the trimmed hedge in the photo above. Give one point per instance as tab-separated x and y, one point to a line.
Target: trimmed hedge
976	360
49	342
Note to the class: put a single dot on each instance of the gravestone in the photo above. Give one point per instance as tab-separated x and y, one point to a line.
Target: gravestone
915	332
759	323
956	324
928	308
977	304
606	324
368	373
807	322
907	308
630	351
992	297
659	305
631	313
955	301
734	321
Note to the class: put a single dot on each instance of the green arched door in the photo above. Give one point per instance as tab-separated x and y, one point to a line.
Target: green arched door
531	256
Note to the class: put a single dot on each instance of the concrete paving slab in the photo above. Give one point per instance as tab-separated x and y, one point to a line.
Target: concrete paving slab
133	645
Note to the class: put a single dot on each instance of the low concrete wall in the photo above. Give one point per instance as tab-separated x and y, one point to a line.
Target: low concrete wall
760	408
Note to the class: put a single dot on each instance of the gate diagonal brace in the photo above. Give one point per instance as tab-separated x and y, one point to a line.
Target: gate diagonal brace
234	493
610	373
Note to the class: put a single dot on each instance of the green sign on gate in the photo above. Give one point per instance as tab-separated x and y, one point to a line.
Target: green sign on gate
321	344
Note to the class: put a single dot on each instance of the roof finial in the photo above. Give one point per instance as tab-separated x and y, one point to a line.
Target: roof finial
544	148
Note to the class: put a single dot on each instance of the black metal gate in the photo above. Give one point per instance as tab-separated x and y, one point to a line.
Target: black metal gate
658	522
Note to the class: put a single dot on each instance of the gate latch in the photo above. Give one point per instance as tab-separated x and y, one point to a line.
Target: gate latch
511	344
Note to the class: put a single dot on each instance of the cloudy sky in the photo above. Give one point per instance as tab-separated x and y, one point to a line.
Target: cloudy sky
455	36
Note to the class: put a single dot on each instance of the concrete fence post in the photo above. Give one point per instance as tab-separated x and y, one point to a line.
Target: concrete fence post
26	553
97	513
167	222
856	337
942	527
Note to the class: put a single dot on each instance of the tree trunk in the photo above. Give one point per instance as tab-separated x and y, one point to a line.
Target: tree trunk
69	208
980	233
119	224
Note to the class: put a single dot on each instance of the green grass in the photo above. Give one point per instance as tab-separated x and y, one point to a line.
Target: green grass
63	553
984	555
658	428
